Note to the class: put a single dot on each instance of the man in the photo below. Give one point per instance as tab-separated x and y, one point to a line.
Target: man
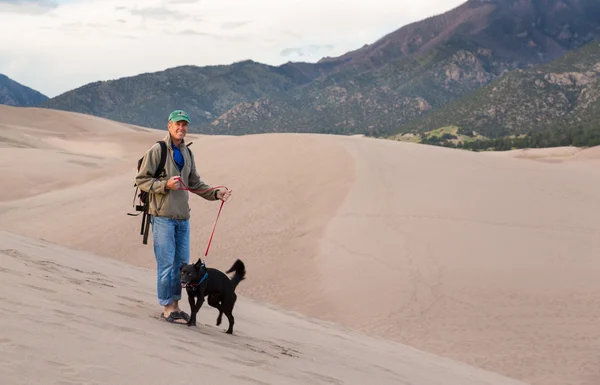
170	211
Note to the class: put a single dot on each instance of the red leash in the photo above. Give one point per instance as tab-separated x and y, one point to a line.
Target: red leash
186	188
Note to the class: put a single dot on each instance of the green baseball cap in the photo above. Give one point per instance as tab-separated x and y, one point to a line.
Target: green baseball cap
178	115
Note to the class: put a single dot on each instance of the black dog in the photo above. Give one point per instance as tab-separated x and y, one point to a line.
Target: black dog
200	281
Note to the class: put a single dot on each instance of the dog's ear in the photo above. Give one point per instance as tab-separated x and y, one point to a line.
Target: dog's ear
198	264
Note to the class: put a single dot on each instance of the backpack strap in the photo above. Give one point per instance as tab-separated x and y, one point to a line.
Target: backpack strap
190	151
163	158
147	216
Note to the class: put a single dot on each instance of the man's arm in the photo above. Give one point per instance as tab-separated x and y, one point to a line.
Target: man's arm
196	183
145	177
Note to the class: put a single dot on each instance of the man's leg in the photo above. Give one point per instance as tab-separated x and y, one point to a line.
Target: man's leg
163	235
182	255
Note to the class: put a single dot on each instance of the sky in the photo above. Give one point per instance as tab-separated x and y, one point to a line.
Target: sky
54	46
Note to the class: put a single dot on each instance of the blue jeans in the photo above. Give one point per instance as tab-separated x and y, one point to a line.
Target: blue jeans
171	238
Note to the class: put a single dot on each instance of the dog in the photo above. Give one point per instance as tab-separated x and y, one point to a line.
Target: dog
200	281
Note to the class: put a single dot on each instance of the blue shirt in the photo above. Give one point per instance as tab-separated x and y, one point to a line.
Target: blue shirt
178	157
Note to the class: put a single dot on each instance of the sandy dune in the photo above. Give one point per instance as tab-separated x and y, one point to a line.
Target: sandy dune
488	259
91	320
552	155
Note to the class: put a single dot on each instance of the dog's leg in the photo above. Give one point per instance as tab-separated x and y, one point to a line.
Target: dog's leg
231	321
213	301
227	307
199	302
197	307
192	320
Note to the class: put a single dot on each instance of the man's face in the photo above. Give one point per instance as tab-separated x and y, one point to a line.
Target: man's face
178	129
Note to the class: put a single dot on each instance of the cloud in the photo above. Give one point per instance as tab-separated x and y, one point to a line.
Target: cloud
158	13
76	27
81	41
191	32
307	50
97	25
234	24
31	7
38	2
71	26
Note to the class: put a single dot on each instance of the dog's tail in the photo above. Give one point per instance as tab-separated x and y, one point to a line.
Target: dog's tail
240	272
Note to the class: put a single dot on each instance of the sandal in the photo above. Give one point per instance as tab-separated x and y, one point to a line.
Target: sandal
173	317
184	315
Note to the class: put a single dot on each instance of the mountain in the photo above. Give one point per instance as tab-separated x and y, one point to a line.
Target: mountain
522	31
370	102
421	67
373	102
18	95
557	103
373	90
204	92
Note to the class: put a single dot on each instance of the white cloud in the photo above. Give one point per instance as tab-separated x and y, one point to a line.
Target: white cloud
34	7
310	50
183	1
83	41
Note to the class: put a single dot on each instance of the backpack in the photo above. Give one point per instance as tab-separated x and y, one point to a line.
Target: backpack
144	202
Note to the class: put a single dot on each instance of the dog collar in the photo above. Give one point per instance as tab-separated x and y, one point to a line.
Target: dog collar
203	278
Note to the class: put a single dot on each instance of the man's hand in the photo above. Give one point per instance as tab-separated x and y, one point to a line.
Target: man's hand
223	194
173	183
